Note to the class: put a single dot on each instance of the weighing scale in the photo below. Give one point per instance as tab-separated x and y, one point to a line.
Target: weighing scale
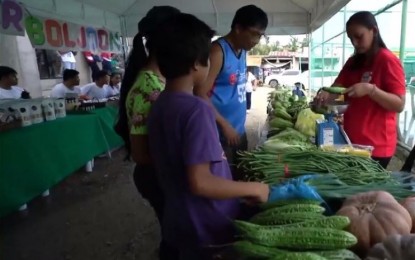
328	131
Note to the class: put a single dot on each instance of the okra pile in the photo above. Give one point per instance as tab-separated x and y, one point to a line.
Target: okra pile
294	229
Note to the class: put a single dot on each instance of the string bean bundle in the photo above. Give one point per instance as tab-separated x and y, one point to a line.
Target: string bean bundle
271	166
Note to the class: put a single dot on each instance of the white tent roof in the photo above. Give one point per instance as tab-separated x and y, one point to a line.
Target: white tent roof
285	16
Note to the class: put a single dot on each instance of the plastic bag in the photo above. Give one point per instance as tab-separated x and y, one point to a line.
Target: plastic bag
306	122
294	189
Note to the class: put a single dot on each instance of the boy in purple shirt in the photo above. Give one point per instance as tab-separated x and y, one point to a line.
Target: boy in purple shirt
201	199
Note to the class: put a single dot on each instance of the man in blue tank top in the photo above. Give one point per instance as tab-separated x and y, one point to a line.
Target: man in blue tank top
225	85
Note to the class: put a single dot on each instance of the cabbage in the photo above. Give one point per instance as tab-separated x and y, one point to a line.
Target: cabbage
306	122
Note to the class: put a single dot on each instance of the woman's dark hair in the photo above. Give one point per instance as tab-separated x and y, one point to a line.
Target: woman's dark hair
368	20
181	42
250	16
137	60
112	76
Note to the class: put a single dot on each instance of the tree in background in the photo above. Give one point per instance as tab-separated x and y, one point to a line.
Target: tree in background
293	45
265	49
305	42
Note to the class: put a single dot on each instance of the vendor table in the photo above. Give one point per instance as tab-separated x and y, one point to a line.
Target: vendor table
34	158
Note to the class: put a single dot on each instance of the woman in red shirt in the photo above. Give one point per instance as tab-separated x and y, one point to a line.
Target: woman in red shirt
375	84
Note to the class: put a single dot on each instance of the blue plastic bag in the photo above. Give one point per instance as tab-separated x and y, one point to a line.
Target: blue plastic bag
294	189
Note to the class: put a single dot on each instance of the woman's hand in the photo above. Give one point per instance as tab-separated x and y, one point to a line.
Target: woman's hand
325	97
360	89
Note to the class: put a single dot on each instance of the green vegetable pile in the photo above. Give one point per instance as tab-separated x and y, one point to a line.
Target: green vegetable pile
338	175
271	165
294	229
291	112
286	108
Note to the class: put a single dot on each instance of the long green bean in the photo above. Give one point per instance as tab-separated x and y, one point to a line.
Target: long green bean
271	166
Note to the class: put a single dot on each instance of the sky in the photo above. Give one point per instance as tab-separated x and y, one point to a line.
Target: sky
389	23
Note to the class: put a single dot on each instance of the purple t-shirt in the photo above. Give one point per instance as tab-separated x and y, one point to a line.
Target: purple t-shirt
182	132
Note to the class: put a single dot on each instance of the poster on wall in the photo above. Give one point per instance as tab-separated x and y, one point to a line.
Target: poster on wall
48	33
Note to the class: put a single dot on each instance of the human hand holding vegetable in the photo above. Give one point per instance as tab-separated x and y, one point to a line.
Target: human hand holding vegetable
360	89
324	97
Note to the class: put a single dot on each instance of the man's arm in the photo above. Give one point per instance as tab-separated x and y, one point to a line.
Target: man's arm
216	62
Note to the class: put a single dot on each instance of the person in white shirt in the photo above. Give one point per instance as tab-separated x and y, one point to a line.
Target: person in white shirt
68	86
8	82
113	88
249	87
96	89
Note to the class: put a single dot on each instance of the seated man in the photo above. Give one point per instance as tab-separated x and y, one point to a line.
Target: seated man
96	89
68	86
8	82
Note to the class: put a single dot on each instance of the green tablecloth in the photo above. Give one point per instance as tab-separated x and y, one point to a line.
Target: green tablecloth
34	158
107	116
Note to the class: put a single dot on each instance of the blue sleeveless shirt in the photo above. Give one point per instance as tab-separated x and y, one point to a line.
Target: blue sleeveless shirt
228	94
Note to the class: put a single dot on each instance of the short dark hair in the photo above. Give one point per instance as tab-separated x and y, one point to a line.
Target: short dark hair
69	74
250	16
100	74
6	71
181	42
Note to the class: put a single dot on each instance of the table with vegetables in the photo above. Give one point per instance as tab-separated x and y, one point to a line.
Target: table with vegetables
332	203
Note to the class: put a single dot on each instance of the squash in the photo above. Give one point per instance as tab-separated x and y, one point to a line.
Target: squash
409	205
395	247
373	217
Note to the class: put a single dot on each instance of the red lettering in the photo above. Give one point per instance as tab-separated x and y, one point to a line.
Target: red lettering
82	38
53	33
68	42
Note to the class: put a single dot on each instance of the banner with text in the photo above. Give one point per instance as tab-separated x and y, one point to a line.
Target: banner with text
47	33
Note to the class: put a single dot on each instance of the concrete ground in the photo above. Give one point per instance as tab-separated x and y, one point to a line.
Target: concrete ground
99	215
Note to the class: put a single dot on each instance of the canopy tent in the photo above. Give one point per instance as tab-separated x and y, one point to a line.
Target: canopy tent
285	16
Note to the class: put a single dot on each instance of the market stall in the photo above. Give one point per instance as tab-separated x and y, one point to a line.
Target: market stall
329	199
37	157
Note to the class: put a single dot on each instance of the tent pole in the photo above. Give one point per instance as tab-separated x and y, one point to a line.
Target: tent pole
402	50
124	38
344	35
403	30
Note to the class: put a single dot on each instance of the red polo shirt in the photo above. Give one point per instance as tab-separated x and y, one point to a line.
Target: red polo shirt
365	121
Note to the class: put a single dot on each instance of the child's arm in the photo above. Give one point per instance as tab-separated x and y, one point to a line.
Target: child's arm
203	183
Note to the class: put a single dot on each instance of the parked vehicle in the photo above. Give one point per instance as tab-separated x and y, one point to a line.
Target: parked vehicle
319	79
286	78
